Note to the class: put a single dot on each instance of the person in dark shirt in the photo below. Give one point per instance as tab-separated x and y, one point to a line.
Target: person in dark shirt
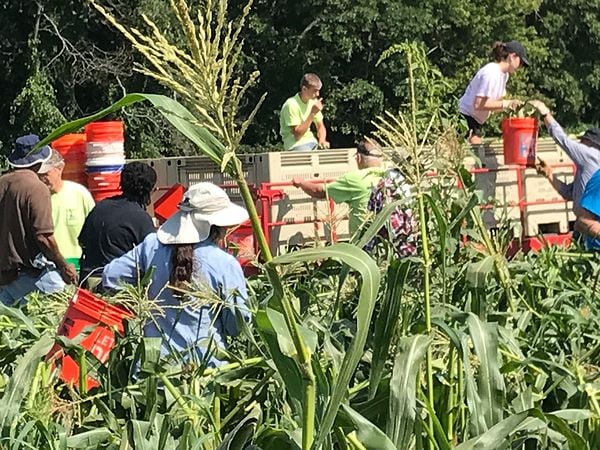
118	224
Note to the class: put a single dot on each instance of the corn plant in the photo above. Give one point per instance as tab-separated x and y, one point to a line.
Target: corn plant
204	76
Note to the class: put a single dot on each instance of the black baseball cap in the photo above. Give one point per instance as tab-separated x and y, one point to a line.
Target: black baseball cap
592	135
517	47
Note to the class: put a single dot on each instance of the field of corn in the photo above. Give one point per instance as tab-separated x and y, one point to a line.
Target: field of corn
457	347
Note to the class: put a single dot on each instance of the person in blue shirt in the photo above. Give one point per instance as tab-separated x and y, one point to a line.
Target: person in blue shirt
185	255
588	221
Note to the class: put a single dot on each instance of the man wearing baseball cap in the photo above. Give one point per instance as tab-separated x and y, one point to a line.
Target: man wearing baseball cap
585	154
353	188
29	256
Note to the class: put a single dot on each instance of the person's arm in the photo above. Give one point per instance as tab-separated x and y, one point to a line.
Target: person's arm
40	214
487	104
314	190
588	224
49	248
300	130
576	151
564	189
322	134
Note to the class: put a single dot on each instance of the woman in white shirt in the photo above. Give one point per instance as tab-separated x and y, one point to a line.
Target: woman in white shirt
486	90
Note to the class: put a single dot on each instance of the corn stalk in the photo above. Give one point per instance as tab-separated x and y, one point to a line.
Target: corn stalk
408	134
203	76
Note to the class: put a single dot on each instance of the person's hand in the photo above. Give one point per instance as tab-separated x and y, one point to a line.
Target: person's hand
540	106
317	106
296	182
511	104
543	169
323	145
69	274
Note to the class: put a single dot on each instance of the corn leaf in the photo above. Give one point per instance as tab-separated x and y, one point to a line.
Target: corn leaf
496	436
360	261
371	437
386	323
21	381
89	439
490	383
177	114
403	389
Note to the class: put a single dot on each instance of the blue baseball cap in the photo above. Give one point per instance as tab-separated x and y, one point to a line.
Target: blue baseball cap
23	157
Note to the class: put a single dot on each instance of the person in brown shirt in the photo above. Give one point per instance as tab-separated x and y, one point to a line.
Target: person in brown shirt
29	256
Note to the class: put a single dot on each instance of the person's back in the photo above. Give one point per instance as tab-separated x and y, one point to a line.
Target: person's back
401	229
354	189
186	260
112	228
29	256
118	224
22	196
185	327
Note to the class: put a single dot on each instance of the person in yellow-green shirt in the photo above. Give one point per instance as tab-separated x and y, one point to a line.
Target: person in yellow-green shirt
301	111
71	203
353	188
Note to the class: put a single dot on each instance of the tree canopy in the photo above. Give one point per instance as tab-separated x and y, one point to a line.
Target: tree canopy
61	60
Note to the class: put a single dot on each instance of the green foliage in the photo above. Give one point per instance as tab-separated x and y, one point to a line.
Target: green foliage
89	65
34	109
455	348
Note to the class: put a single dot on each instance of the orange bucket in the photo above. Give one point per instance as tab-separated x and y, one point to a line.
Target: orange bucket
104	184
519	136
71	146
110	131
101	195
86	310
104	181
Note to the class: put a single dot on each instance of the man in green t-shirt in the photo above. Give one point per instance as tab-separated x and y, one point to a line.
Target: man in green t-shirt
299	112
71	203
353	188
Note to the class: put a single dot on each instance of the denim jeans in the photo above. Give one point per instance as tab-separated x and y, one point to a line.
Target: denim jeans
47	282
305	147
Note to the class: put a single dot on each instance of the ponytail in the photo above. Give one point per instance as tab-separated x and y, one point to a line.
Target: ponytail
182	259
499	52
182	264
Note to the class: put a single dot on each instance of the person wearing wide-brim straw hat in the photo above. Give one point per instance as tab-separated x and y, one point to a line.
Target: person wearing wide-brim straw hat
29	256
186	255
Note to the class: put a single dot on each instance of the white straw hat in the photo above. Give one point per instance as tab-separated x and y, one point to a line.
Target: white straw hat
203	205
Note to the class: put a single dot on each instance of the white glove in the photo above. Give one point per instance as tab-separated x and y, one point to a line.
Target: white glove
540	106
511	104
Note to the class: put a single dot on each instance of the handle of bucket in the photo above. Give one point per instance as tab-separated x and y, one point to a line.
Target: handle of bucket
89	275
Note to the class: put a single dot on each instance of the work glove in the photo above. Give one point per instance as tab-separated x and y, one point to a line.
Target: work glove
512	104
540	106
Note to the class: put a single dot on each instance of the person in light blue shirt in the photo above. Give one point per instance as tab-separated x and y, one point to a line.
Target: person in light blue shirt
185	257
585	154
